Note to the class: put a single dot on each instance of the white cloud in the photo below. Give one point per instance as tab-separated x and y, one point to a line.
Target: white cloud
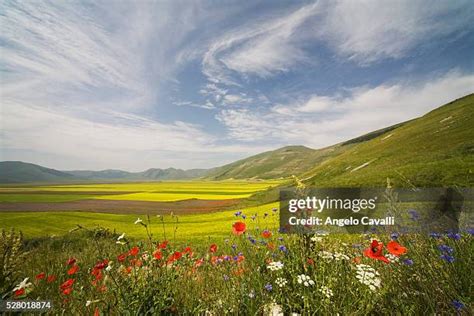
369	30
325	120
263	48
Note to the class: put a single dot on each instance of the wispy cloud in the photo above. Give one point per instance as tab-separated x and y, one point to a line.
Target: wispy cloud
366	31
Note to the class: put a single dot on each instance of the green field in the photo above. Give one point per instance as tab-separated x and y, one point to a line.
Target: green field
199	227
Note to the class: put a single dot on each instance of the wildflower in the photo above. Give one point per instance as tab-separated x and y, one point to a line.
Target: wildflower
22	285
375	251
447	258
163	245
121	237
413	215
305	280
453	235
109	266
226	277
157	255
268	287
188	251
368	276
394	236
458	305
281	282
445	248
326	291
40	276
19	292
175	256
67	291
134	251
238	213
73	269
282	248
68	283
316	239
244	216
337	256
101	264
252	294
395	248
122	257
213	248
435	235
310	261
266	234
470	231
275	266
239	228
71	261
51	279
408	262
392	258
138	221
273	309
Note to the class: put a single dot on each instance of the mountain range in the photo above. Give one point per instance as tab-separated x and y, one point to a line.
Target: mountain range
434	149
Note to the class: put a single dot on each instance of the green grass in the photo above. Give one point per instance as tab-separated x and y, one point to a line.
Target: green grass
195	228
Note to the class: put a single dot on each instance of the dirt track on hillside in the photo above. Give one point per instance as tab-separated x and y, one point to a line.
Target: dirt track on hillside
192	206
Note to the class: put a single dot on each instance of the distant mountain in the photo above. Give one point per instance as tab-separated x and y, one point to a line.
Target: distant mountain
21	172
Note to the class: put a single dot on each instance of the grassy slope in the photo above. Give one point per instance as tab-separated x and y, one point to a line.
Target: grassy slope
18	172
435	149
280	163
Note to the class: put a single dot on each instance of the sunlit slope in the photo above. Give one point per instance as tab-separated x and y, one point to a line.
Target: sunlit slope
433	150
280	163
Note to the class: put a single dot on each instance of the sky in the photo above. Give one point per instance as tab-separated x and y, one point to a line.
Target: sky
196	84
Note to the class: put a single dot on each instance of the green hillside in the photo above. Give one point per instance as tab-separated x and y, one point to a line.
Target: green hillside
19	172
280	163
435	149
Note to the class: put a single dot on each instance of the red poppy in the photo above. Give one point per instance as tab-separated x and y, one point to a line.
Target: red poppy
102	264
240	258
239	228
310	261
199	262
134	251
71	261
357	260
19	292
163	245
51	278
395	248
266	234
122	257
41	276
157	255
67	291
96	312
67	283
136	262
188	251
375	251
175	256
213	248
73	269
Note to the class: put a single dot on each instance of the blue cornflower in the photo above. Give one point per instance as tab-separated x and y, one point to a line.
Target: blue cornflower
234	246
470	231
269	287
244	216
458	305
435	235
445	248
394	236
447	258
283	248
414	214
238	213
408	262
453	235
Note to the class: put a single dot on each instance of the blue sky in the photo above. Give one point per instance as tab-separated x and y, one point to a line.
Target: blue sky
196	84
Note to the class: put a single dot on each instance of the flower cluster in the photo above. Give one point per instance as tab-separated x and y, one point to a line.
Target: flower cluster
368	276
275	266
305	280
281	282
326	291
337	256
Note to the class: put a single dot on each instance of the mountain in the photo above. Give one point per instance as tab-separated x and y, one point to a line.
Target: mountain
147	175
436	149
20	172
